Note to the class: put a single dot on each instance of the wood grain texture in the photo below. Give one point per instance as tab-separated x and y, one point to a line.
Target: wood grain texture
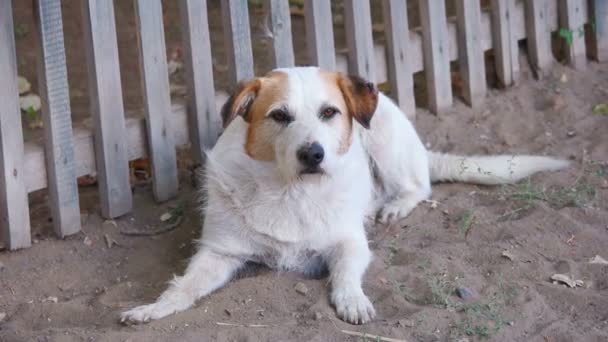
399	55
204	120
320	33
107	108
505	41
157	102
470	52
598	43
358	24
237	39
436	48
572	18
539	34
14	209
57	119
279	25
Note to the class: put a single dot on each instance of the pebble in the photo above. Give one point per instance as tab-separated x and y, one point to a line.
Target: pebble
1	266
571	134
465	293
2	316
301	288
318	316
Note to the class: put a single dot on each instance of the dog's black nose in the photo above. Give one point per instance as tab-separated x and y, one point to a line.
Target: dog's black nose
311	155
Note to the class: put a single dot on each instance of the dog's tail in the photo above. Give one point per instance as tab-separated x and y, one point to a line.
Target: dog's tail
490	170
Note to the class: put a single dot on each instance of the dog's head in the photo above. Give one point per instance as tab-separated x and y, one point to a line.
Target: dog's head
302	118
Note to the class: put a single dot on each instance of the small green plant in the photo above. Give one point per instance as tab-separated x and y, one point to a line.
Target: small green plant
441	291
466	222
31	113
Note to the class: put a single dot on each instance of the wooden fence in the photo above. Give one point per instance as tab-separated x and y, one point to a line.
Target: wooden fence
69	153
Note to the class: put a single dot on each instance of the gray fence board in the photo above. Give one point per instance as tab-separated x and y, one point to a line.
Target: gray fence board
157	101
399	54
572	18
358	23
57	119
539	34
237	38
107	107
320	33
435	46
204	121
598	46
471	55
14	210
505	41
279	18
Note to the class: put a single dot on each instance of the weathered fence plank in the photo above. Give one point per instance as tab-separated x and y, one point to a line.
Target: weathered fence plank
505	41
107	107
157	101
205	123
57	119
14	210
320	33
279	24
471	55
539	34
435	46
237	37
572	23
399	55
598	13
358	24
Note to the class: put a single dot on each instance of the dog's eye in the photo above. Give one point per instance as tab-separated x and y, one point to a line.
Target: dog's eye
329	113
280	115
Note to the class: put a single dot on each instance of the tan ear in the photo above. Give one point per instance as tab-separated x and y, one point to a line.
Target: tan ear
361	97
239	103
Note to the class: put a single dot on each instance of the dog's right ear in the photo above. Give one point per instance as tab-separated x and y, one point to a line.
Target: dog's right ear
239	103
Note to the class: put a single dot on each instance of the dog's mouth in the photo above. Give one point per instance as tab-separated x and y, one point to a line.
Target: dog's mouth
312	170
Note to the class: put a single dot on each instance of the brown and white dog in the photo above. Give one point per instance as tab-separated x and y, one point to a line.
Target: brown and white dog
306	157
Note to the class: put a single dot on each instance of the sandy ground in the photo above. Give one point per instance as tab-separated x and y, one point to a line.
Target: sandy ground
501	245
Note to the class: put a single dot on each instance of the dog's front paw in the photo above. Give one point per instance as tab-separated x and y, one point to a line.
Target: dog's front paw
395	210
353	306
145	313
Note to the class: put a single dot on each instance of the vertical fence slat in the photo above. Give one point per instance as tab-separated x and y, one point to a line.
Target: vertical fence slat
157	101
57	119
280	27
203	118
435	46
320	33
598	46
539	34
470	52
107	107
399	54
237	37
14	211
504	42
358	24
572	18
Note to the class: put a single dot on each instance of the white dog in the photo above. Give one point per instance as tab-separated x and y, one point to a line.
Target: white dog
306	157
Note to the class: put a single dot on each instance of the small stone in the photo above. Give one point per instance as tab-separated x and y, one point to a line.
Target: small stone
318	316
1	266
87	241
511	323
228	312
2	316
301	288
408	323
564	78
465	293
571	134
51	299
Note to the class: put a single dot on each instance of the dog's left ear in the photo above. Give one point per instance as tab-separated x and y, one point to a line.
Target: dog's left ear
361	97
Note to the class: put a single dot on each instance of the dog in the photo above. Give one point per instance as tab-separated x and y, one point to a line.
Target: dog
306	158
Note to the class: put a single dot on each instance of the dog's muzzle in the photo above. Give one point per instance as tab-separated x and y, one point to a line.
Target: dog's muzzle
311	156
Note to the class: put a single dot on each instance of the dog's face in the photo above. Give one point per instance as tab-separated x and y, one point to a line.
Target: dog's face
301	118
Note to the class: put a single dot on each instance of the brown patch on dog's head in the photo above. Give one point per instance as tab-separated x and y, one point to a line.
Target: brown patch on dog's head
361	97
252	100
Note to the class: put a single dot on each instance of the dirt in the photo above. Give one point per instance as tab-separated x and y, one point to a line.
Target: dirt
499	245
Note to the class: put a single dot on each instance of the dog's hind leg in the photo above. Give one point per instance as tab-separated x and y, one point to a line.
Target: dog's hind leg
206	272
347	264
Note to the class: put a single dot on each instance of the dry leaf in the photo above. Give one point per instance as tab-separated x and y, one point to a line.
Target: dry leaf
508	255
564	279
598	260
166	217
24	85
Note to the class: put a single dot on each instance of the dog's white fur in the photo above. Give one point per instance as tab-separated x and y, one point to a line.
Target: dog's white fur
267	211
